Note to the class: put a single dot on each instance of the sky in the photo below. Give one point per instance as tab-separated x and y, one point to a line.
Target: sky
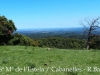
28	14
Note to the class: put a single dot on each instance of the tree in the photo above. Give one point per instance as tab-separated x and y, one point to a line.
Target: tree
90	29
7	27
95	42
19	39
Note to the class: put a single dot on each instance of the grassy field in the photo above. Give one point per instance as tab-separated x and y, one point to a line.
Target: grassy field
21	60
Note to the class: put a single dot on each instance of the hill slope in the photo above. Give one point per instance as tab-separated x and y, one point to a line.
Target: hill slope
21	60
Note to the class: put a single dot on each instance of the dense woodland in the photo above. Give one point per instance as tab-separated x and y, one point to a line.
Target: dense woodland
54	42
7	37
60	42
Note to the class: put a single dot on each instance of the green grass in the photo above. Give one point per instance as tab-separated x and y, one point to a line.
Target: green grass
40	61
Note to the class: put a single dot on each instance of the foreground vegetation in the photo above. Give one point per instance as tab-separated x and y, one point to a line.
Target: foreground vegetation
27	60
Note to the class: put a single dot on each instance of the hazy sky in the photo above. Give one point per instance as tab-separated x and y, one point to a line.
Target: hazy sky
49	13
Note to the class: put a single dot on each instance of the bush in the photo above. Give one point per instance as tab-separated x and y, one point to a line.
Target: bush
59	42
19	39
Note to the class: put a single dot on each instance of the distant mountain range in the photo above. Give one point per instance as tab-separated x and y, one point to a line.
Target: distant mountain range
53	32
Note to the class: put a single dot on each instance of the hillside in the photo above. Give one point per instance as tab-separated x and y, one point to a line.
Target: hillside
56	32
21	60
50	32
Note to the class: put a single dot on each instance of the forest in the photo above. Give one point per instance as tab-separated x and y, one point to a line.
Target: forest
67	40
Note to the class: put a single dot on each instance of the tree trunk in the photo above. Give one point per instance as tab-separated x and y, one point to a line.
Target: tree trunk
89	37
88	47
